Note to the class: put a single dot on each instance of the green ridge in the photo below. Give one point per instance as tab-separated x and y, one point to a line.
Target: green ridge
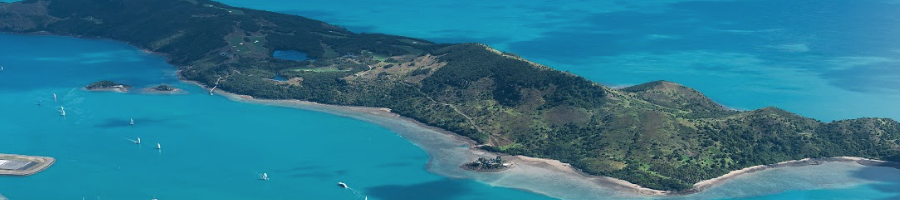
659	135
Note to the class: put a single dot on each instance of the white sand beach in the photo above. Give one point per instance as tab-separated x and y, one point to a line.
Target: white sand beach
544	176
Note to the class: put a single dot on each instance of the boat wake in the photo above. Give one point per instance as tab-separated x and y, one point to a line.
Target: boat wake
135	141
358	194
263	176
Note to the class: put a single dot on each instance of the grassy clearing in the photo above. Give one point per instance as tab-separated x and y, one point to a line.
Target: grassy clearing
380	58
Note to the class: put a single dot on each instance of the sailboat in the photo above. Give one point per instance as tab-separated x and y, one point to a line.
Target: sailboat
62	111
54	97
132	122
264	176
138	141
158	146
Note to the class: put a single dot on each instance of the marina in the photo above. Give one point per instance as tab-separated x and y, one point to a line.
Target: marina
20	165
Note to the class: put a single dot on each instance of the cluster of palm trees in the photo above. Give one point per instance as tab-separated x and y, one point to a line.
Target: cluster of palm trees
486	163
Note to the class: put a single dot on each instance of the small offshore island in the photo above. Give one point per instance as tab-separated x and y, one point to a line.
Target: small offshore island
163	89
20	165
107	86
661	136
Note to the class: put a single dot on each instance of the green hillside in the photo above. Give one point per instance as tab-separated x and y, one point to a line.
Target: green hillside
659	135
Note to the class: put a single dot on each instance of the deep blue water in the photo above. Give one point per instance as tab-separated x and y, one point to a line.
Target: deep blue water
826	59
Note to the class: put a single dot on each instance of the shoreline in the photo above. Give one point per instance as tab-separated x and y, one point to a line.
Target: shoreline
42	164
621	186
151	90
464	167
706	184
565	169
536	162
115	90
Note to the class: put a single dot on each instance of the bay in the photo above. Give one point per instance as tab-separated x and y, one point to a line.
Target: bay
214	147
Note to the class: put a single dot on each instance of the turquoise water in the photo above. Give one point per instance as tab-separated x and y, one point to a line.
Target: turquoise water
213	147
827	181
827	59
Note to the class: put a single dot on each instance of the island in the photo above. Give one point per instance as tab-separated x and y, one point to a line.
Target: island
659	135
107	86
20	165
487	165
163	89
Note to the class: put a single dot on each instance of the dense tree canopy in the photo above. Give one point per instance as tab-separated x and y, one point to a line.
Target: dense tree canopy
659	135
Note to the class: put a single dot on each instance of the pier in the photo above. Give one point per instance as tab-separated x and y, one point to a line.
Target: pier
20	165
